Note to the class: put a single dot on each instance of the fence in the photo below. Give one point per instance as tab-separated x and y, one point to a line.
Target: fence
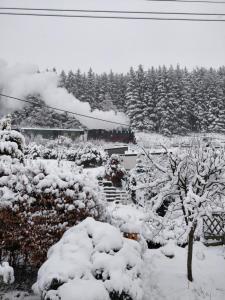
214	228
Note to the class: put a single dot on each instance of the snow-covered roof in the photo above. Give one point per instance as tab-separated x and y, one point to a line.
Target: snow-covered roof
53	129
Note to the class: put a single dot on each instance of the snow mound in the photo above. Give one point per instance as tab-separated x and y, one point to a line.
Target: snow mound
92	261
169	249
7	273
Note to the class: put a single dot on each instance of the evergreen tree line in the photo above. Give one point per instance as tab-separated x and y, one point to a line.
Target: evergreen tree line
103	92
165	100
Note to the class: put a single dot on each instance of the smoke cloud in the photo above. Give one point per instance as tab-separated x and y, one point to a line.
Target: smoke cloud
23	80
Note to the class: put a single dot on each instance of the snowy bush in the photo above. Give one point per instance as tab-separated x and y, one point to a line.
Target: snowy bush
5	123
33	151
114	171
71	154
7	273
86	155
51	154
89	156
11	141
92	261
38	204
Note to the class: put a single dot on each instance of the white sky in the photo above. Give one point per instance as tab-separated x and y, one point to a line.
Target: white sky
110	44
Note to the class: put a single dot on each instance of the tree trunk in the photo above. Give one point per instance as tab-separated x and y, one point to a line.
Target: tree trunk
190	252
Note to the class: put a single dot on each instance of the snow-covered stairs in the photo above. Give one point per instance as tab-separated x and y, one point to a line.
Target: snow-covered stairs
113	194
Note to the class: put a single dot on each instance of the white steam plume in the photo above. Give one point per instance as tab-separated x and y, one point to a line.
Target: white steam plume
23	80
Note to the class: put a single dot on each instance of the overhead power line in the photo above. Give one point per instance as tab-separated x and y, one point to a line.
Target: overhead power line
61	110
111	17
190	1
111	11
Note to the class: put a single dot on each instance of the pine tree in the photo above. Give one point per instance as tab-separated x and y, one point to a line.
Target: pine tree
137	96
181	98
150	98
71	83
199	86
90	90
131	96
162	101
79	88
62	79
102	89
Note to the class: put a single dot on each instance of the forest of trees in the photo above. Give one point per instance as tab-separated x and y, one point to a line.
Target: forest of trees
165	100
42	116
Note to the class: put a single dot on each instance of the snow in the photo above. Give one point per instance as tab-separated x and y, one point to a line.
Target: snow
68	166
165	277
129	213
90	260
18	295
7	273
79	289
93	259
168	249
155	141
11	143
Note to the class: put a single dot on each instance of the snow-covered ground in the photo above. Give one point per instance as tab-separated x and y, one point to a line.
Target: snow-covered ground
69	166
18	295
155	140
165	278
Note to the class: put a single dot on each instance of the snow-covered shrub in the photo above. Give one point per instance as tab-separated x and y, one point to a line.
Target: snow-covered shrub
114	171
89	156
38	204
50	154
140	175
5	123
7	273
11	141
86	155
71	154
33	151
92	261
